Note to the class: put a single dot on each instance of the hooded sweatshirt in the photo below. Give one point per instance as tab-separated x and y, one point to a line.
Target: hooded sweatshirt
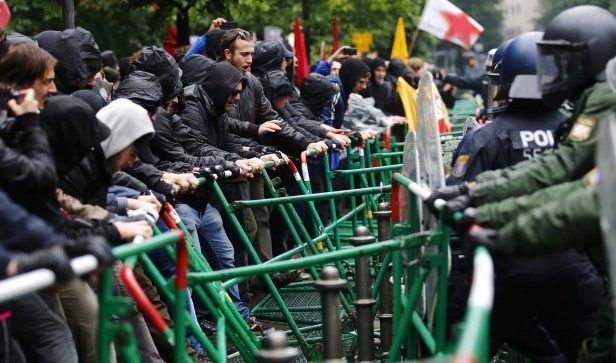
78	57
194	68
350	72
128	123
164	67
219	82
143	88
72	130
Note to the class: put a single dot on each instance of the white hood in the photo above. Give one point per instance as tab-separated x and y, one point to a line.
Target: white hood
127	121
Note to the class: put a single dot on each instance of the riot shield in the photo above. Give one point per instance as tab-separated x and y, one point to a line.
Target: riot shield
431	173
409	170
606	162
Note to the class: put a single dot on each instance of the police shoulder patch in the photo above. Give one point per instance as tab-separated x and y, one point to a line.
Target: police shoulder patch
459	168
582	128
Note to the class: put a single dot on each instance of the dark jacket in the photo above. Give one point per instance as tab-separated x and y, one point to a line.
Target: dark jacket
78	58
175	142
194	67
524	130
27	168
142	88
382	92
205	112
73	131
276	83
21	231
256	109
164	67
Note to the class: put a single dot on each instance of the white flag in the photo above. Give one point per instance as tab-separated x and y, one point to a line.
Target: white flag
446	21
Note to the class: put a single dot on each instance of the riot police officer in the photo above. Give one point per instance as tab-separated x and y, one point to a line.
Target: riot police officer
529	310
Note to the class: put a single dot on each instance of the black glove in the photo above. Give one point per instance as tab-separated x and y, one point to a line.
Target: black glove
96	246
356	138
459	205
233	168
330	144
264	150
54	259
481	237
247	154
207	172
160	197
446	193
165	189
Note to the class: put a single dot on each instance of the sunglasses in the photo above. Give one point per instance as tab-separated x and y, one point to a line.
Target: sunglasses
236	92
242	34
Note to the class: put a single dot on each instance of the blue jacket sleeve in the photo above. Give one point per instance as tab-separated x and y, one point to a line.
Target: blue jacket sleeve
22	231
323	68
198	46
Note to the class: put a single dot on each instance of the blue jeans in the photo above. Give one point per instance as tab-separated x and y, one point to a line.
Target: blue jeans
216	245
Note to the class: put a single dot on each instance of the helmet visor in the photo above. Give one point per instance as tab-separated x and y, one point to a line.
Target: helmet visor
561	65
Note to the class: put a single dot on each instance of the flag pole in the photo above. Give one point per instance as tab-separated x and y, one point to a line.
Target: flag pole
413	42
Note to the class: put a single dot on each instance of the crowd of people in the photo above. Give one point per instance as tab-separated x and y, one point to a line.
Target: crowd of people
92	148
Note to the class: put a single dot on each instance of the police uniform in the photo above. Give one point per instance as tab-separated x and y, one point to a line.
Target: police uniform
528	291
573	158
525	129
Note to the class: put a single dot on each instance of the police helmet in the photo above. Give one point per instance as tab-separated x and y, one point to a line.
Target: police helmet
575	48
518	70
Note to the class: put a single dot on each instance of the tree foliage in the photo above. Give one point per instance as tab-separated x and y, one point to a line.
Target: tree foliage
125	25
551	8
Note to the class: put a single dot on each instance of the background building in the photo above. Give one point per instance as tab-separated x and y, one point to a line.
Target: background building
519	16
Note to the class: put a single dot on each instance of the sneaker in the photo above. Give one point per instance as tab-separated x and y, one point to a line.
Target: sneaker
208	327
258	327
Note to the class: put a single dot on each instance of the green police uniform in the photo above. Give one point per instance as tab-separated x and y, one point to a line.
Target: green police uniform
495	215
572	221
573	157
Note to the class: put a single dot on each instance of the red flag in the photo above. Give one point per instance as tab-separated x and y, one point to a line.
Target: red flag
302	68
5	13
335	35
323	51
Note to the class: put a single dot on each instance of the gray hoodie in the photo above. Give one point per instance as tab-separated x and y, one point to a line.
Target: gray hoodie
128	123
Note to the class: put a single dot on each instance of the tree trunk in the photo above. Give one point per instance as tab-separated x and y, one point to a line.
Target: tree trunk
305	17
182	25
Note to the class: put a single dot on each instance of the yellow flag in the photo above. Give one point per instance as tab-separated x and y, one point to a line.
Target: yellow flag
399	48
408	96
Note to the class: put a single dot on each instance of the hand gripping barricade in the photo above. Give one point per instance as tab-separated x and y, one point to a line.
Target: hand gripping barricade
383	279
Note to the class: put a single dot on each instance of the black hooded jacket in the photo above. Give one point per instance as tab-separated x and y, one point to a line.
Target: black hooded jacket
78	58
256	109
164	67
351	71
316	91
194	67
205	112
27	168
275	84
383	92
73	132
268	57
143	88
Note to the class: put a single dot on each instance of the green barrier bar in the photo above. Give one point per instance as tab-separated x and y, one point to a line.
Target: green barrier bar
307	198
411	240
405	322
255	258
368	170
388	154
473	344
156	242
